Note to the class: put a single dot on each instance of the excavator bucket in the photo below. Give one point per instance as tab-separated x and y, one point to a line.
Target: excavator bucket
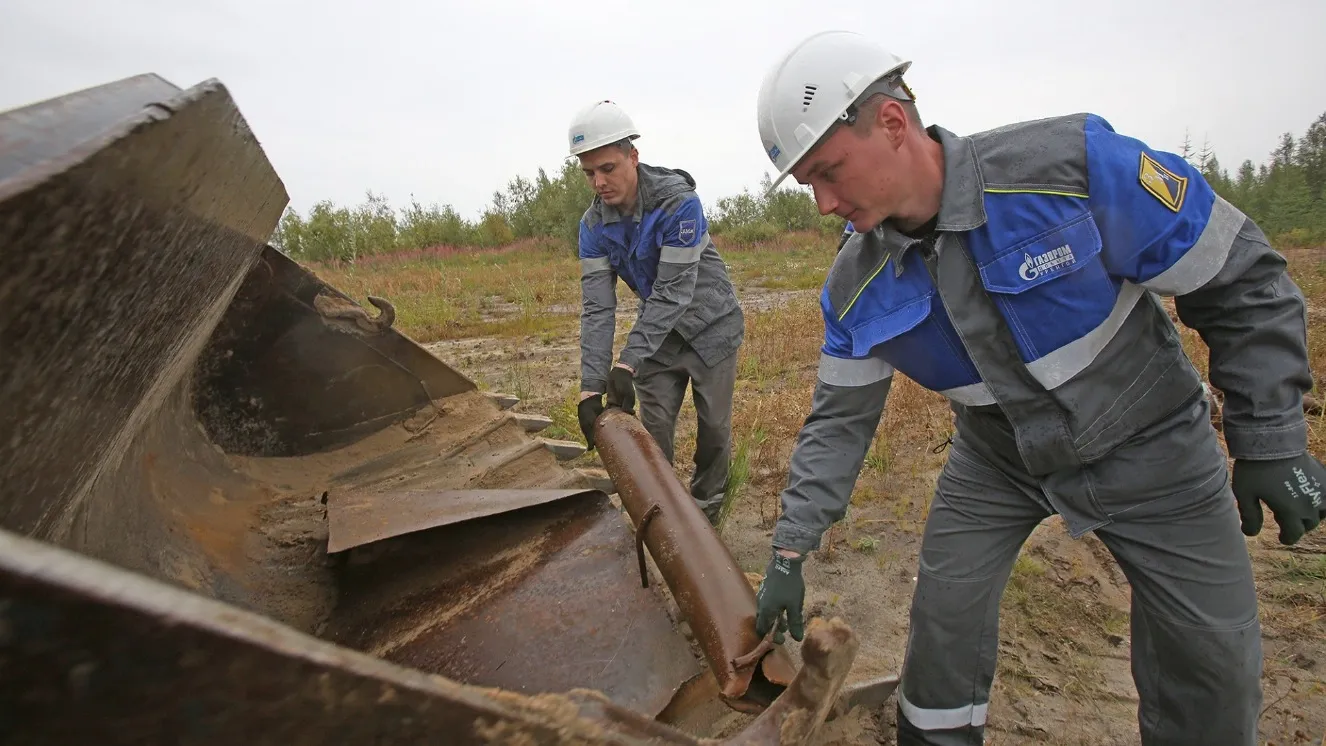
234	501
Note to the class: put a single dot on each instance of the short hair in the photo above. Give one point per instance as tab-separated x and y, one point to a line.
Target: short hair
870	107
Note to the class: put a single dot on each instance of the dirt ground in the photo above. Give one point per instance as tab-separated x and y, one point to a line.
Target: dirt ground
1063	673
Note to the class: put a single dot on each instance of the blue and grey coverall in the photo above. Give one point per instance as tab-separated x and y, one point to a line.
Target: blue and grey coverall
689	325
1033	307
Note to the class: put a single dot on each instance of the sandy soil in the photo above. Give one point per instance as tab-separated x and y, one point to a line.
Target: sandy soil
1063	673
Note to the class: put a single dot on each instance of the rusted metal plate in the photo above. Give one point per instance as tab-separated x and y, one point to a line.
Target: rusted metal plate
540	599
869	695
124	237
94	654
705	579
356	518
278	378
90	653
57	127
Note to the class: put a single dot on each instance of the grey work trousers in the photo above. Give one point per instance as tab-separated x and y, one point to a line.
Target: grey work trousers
1168	517
660	386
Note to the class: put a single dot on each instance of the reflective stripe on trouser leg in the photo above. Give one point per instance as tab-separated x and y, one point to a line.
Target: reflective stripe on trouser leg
978	521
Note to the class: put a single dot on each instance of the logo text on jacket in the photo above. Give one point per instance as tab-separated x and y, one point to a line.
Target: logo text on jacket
686	231
1035	266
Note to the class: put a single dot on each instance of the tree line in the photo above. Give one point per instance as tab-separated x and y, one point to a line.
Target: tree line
1286	195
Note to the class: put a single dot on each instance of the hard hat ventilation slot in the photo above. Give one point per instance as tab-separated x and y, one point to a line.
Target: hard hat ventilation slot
809	95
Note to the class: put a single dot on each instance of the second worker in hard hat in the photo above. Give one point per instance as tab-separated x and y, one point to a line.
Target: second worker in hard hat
646	226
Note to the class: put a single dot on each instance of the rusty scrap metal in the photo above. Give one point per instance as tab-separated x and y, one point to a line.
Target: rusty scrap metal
172	403
356	518
96	654
119	658
826	654
125	234
540	599
868	695
710	589
742	662
336	307
640	543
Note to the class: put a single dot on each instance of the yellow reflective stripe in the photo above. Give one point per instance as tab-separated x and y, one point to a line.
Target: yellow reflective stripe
862	289
992	190
1055	192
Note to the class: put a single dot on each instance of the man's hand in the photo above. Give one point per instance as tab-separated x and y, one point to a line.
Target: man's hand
589	409
781	590
1291	487
621	388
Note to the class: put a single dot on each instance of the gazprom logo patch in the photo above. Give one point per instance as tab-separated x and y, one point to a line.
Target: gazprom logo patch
1040	264
774	152
578	138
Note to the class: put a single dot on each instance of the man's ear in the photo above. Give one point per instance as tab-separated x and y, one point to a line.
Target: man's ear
892	118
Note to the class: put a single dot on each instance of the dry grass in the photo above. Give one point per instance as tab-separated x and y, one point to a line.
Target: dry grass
533	287
797	261
479	293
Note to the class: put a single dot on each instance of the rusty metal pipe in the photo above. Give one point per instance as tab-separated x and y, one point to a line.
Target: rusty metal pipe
796	715
704	578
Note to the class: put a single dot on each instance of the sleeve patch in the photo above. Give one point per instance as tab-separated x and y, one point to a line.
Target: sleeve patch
686	231
1164	184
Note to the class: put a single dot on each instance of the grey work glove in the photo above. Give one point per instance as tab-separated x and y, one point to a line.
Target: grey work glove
1290	487
781	590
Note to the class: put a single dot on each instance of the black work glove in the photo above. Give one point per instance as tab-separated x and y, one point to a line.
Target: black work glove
781	590
621	389
587	411
1291	487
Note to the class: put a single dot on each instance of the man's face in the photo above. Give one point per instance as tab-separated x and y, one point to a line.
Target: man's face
612	173
858	175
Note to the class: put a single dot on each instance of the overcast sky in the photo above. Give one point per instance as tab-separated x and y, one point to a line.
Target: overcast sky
448	100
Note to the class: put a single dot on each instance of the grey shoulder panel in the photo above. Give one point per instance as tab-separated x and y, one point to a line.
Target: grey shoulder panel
673	201
854	265
593	216
660	186
1043	154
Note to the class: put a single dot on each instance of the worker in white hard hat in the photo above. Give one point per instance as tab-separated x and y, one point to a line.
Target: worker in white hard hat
1018	273
646	226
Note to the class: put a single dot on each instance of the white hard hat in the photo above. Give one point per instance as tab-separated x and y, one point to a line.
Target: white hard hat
601	123
815	84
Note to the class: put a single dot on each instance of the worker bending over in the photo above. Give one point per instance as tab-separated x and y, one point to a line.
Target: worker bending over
1018	272
646	225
